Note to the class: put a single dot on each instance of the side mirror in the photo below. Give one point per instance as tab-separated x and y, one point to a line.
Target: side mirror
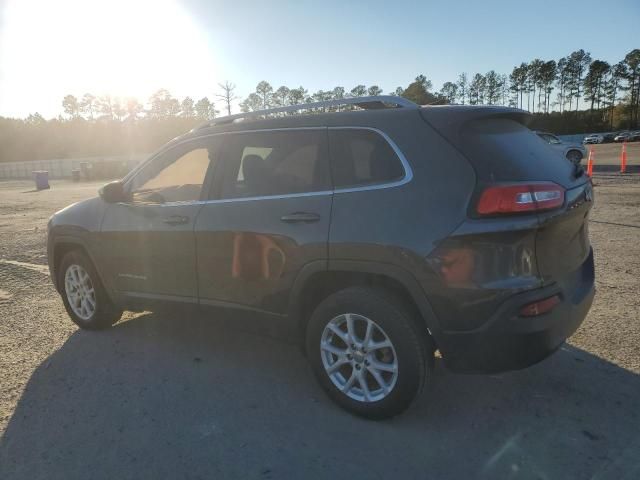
113	192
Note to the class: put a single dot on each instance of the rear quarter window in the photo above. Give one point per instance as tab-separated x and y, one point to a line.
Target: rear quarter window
362	157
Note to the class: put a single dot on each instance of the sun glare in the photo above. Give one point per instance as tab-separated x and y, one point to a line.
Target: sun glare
116	47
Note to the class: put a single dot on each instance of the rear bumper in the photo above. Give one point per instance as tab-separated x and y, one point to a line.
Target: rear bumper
510	342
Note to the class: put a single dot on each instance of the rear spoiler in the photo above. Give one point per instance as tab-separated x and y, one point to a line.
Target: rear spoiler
449	119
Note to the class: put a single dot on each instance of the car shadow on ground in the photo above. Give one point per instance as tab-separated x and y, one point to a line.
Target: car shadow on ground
164	396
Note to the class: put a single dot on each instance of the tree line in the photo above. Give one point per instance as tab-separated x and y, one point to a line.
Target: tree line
574	94
539	86
160	105
96	126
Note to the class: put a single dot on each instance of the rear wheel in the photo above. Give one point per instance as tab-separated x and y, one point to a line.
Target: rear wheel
367	352
84	297
574	156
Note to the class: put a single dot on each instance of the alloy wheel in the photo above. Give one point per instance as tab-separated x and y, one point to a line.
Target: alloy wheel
359	358
80	291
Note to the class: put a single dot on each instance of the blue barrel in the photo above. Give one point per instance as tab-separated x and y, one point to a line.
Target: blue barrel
42	179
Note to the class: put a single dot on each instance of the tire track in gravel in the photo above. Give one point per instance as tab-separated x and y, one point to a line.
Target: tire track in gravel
31	266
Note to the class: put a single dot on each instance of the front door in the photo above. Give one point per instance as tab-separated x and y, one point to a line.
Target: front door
269	218
148	244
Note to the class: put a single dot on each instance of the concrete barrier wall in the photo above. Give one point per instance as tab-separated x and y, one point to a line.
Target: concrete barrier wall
100	167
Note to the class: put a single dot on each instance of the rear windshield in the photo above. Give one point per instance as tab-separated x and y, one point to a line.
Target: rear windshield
501	149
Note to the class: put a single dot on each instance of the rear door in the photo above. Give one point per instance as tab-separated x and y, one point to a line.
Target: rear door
148	244
269	218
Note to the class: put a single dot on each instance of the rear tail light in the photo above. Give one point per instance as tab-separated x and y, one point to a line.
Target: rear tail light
521	197
539	307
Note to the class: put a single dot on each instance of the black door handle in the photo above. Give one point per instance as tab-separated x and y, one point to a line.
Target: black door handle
175	220
300	217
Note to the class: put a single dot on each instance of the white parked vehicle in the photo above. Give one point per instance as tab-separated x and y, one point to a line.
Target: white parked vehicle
593	138
622	137
573	152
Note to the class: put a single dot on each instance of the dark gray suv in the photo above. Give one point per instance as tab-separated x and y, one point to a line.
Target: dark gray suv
385	233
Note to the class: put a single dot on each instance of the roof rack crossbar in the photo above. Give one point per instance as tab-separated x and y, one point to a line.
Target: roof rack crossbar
363	102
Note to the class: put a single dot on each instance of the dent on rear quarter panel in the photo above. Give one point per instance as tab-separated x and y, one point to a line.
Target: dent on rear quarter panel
477	272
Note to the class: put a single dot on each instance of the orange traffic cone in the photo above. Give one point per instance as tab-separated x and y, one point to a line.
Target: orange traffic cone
623	158
590	162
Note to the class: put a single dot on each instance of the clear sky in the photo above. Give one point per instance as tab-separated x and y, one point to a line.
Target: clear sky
49	48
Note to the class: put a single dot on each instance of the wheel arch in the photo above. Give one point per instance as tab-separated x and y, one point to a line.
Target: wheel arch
315	283
64	244
573	149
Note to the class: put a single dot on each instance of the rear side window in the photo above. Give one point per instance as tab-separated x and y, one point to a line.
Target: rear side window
276	163
362	157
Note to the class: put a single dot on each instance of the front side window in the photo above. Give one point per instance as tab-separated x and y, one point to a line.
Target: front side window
362	157
175	176
276	163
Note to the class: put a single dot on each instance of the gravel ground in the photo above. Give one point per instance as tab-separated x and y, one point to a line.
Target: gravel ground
612	329
174	396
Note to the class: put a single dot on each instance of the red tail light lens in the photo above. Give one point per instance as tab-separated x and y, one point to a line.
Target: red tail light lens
505	199
538	308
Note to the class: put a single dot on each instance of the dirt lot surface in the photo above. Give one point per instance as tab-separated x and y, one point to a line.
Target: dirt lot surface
174	396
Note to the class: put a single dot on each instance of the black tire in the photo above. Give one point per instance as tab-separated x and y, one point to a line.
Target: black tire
105	313
412	345
574	156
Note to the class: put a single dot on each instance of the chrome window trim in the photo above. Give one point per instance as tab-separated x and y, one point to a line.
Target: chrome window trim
267	197
408	172
242	199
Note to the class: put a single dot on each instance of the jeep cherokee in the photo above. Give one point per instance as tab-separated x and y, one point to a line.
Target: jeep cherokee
386	233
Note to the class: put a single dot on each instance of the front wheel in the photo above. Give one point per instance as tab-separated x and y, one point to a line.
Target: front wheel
368	353
84	297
